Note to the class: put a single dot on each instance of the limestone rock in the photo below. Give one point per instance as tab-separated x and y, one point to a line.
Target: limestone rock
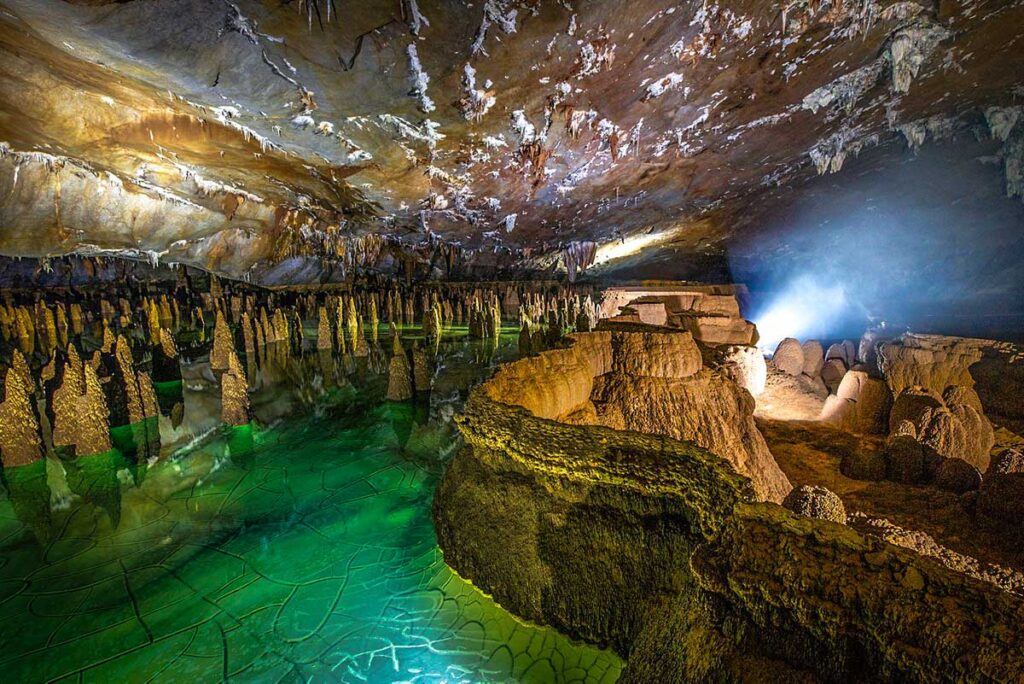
400	386
957	431
166	362
861	404
1002	490
657	355
929	361
234	393
814	358
713	329
20	441
79	408
223	344
816	502
324	336
832	373
744	365
957	475
789	357
911	403
706	409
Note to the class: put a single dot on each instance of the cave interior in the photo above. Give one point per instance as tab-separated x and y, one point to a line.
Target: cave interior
512	340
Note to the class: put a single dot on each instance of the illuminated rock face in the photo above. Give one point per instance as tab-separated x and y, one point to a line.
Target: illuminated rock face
20	443
251	139
81	419
234	393
647	382
655	547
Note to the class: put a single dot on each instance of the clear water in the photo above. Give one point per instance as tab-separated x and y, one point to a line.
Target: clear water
298	550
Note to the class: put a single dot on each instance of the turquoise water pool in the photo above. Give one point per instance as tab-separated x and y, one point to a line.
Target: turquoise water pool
297	549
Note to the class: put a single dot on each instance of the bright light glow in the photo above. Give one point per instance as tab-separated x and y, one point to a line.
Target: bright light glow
628	246
805	309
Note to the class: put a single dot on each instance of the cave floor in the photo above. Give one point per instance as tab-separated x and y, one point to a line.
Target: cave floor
810	452
303	550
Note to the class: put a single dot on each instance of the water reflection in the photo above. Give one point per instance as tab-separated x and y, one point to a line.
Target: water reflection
297	547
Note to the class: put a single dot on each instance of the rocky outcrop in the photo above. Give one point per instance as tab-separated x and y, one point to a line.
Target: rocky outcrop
816	502
814	358
861	404
1001	497
618	512
789	357
655	547
994	369
650	382
948	426
744	365
855	608
711	313
20	441
705	409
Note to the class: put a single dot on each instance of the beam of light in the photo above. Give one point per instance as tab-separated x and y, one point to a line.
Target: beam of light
806	308
628	246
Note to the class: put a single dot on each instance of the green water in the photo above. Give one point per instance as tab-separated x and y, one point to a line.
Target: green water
298	549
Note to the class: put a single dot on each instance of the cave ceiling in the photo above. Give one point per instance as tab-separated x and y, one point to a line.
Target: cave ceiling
290	141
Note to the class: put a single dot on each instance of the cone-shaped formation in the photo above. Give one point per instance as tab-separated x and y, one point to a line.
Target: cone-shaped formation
166	362
324	335
223	345
20	443
422	370
234	393
399	378
81	419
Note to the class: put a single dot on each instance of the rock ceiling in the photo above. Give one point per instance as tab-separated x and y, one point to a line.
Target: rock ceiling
290	140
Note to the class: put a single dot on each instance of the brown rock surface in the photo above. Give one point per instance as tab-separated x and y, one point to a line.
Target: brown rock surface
744	365
789	357
816	502
20	441
79	408
814	358
706	409
234	392
861	404
1002	490
647	382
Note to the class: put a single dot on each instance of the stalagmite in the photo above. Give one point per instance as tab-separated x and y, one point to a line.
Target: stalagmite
20	441
351	319
248	335
422	372
323	332
234	393
80	411
399	376
166	362
223	343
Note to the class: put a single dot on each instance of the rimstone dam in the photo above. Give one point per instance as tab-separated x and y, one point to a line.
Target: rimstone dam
501	341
